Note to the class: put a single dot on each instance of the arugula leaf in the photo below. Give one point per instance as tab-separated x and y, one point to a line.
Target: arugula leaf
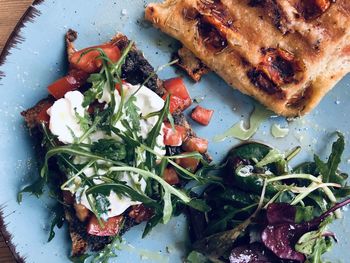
36	188
329	169
98	81
303	214
132	111
151	140
109	148
57	220
80	259
108	252
102	204
168	207
122	189
314	244
155	220
196	257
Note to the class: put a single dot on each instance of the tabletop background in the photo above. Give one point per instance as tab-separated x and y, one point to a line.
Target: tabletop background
10	12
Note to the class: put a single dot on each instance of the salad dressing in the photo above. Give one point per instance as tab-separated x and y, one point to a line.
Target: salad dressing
239	131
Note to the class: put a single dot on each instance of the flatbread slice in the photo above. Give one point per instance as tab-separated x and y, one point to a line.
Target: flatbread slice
278	52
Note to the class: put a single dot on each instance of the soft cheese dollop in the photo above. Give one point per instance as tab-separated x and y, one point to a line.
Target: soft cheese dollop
119	203
64	122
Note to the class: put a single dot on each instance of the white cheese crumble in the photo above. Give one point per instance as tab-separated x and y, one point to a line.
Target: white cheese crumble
64	122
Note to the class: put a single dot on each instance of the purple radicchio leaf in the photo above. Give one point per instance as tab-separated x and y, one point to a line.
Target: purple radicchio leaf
252	253
281	235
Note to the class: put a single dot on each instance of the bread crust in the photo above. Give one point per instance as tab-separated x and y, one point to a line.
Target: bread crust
274	63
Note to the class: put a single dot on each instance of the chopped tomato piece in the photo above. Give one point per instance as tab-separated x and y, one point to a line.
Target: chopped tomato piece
176	87
189	163
202	115
140	213
81	212
174	137
74	80
170	176
180	97
42	115
195	145
89	62
118	86
110	228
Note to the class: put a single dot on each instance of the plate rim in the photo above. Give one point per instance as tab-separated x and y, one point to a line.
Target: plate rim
15	38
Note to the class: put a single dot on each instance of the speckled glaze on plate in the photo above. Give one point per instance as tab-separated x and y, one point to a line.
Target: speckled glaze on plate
37	58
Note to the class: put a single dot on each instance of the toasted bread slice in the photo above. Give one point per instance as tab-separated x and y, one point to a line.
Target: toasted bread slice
135	71
279	51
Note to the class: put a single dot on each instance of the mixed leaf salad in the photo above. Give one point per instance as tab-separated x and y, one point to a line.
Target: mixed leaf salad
266	211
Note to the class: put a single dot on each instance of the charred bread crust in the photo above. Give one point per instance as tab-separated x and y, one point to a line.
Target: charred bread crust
135	70
31	115
269	49
188	62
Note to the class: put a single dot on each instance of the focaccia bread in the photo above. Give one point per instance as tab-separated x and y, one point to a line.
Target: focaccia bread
285	53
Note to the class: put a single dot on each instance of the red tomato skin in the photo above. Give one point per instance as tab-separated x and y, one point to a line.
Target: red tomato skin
89	62
176	87
202	115
170	176
118	86
191	164
74	80
195	145
179	96
174	137
171	137
42	115
110	228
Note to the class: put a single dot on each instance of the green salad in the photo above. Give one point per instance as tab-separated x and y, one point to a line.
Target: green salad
267	211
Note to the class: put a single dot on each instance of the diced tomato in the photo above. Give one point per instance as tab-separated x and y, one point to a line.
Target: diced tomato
42	115
81	212
190	164
89	61
202	115
110	228
176	87
174	137
141	213
195	145
180	97
118	86
74	80
170	176
175	103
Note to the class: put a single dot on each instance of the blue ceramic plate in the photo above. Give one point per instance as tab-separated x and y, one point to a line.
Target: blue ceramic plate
37	57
